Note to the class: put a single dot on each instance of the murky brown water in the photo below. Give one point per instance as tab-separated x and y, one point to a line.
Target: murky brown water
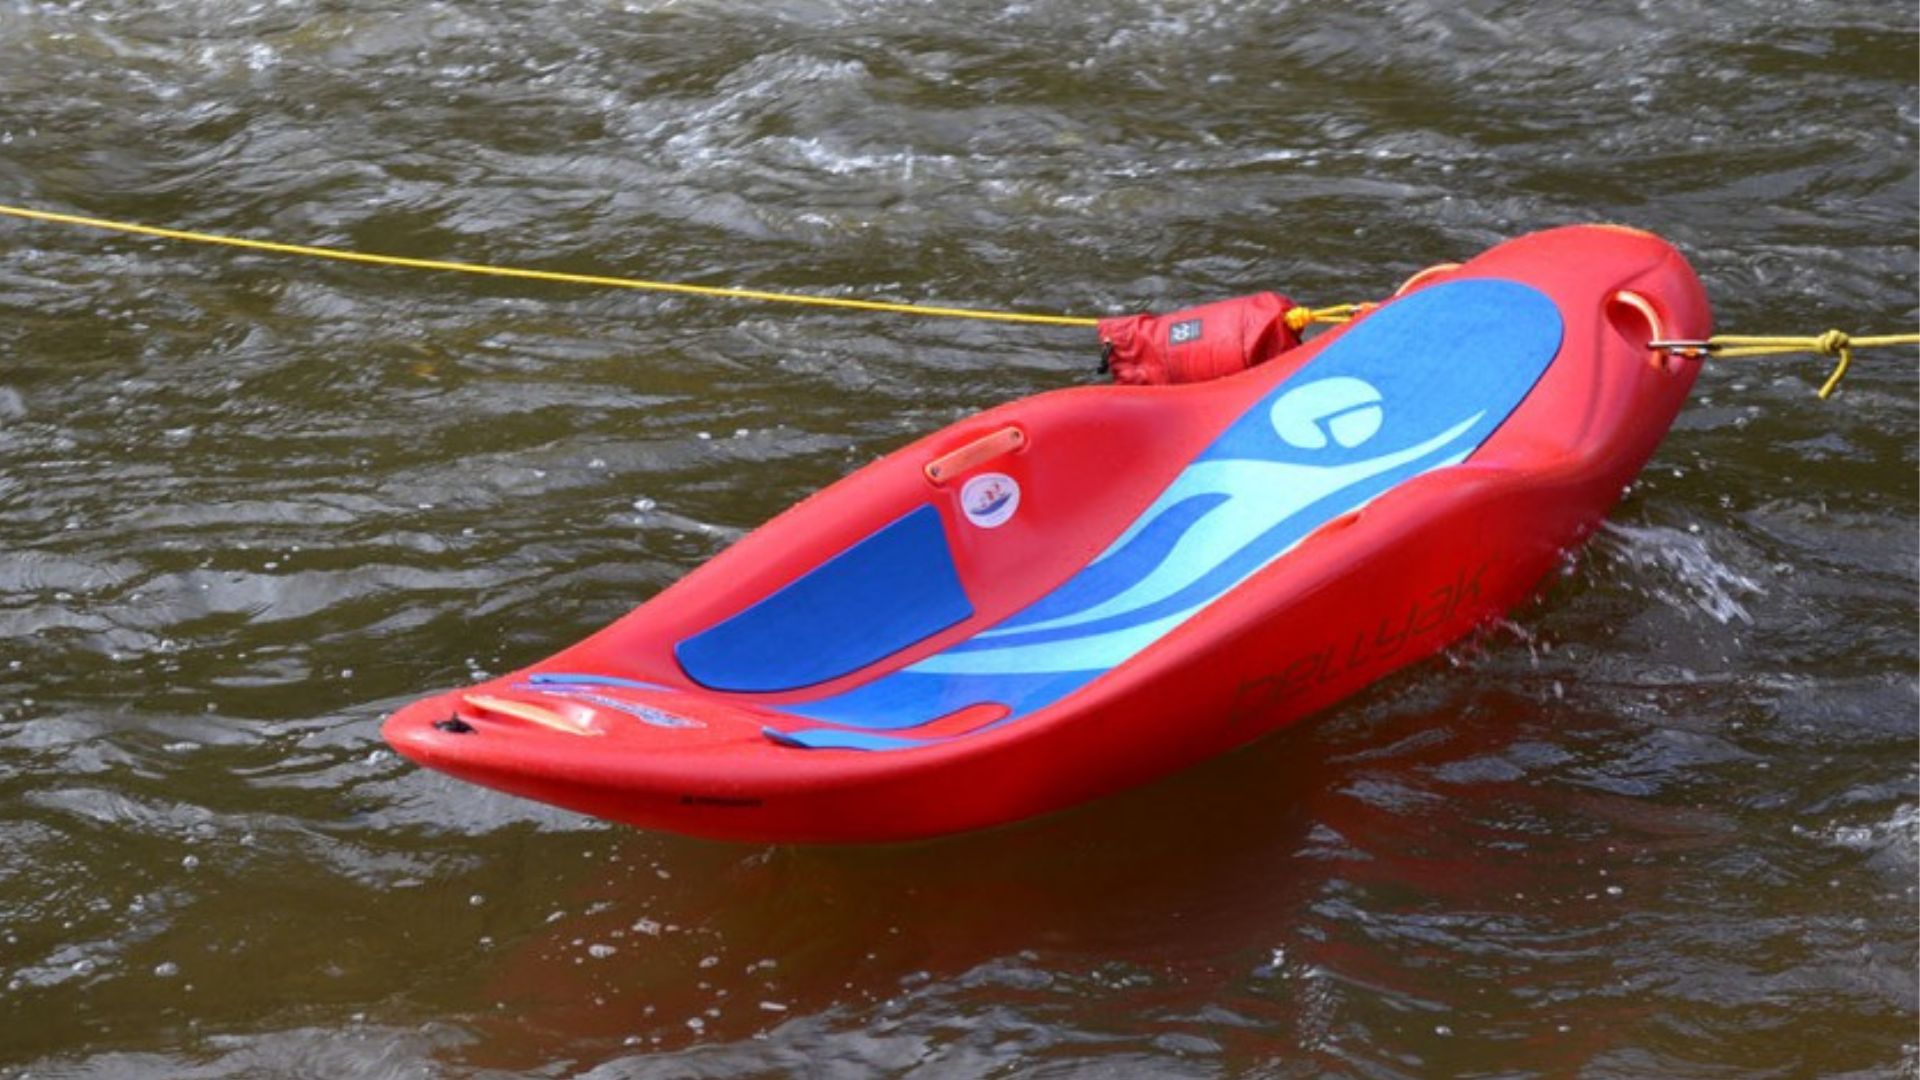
1665	825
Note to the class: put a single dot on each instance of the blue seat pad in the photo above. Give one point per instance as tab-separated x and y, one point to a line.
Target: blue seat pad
879	596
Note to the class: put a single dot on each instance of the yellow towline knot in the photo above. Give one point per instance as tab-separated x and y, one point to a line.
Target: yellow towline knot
1299	318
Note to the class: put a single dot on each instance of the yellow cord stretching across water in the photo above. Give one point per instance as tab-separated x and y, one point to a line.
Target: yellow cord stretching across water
1832	343
541	275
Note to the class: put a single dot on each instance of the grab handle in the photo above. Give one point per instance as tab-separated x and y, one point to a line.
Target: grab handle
981	450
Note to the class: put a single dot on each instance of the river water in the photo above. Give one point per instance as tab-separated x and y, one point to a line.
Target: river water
1662	824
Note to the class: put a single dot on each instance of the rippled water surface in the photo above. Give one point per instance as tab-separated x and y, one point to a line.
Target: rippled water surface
1662	824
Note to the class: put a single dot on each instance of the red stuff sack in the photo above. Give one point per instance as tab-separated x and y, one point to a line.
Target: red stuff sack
1197	344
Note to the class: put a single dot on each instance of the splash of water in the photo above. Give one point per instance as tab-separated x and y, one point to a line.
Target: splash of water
1679	568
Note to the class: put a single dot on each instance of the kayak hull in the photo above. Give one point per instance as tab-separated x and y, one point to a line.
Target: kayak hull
787	692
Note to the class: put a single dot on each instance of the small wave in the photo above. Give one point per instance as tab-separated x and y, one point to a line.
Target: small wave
1680	568
1901	830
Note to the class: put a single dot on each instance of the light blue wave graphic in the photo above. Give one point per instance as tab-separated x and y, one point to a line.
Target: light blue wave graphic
1253	497
1261	496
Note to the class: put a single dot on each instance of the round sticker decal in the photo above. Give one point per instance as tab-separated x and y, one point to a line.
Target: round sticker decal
990	499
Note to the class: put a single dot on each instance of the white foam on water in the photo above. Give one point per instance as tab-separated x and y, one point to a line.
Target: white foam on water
1681	569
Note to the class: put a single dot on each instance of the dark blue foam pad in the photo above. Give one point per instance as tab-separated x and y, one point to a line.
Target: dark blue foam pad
877	597
1415	386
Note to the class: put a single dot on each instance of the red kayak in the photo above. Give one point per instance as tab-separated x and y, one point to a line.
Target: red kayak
1088	589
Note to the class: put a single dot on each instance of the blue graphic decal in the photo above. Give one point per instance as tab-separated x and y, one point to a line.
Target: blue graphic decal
842	739
1148	542
1415	386
550	678
1230	544
909	698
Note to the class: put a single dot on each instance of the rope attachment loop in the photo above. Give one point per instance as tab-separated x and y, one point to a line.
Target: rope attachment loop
1835	343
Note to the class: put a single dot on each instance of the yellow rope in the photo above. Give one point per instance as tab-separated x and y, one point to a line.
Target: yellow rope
1299	318
1834	343
339	255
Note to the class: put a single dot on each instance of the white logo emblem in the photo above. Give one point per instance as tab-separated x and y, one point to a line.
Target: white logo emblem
1345	408
990	499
